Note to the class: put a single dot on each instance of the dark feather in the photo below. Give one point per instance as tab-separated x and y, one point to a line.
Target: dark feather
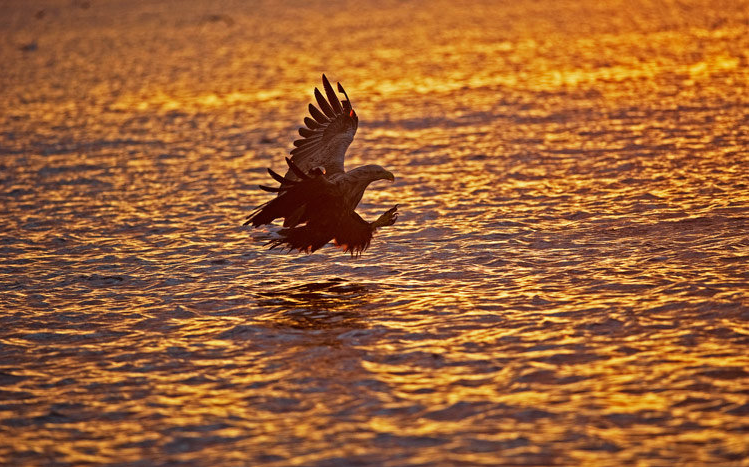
317	114
250	217
332	97
324	105
277	177
314	139
303	151
300	151
295	217
305	238
305	133
312	124
341	90
299	173
353	234
306	150
269	189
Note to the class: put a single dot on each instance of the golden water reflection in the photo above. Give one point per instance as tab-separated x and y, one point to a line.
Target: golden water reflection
567	283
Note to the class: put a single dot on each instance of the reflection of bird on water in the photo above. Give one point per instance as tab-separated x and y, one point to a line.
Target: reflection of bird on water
317	197
331	303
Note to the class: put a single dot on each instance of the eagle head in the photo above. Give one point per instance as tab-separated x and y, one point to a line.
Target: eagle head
370	173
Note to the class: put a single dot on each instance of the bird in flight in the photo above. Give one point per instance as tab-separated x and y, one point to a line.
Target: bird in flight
316	197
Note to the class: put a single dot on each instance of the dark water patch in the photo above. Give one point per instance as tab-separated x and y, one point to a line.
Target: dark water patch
460	411
7	378
725	373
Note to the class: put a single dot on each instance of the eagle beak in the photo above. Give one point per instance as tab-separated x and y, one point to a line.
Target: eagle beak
389	176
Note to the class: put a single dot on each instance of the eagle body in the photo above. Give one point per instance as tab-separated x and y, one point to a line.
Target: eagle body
317	197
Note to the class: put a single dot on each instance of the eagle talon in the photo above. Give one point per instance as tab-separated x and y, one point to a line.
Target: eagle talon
387	218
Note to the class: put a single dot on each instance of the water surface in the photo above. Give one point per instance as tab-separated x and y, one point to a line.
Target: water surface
567	284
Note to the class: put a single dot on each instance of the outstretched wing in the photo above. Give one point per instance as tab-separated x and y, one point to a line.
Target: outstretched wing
314	213
327	134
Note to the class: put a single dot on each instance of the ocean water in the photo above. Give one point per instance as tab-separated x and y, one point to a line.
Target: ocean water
567	283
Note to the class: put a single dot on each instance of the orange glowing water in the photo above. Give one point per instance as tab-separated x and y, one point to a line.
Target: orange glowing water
567	284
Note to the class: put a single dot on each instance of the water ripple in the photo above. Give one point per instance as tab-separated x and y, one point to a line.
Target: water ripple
567	283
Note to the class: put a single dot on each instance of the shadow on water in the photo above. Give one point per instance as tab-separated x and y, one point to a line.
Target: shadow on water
332	303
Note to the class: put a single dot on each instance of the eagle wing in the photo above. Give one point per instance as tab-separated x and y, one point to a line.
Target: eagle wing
327	133
314	213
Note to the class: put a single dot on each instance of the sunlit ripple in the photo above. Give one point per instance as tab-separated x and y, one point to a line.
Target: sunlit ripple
567	284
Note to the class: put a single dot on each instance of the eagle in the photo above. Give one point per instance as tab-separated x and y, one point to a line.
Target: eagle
317	197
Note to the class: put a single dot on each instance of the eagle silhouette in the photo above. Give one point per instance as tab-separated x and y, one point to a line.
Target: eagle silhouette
316	197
